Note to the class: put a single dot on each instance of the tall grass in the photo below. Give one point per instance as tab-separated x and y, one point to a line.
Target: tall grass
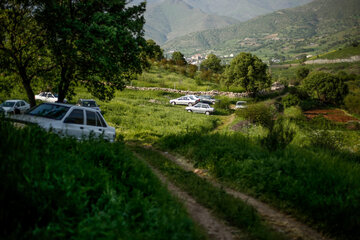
318	183
58	188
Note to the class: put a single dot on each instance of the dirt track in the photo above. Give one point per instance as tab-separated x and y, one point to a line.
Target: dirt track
281	222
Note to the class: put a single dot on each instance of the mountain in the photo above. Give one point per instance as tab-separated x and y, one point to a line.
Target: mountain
318	24
167	19
172	18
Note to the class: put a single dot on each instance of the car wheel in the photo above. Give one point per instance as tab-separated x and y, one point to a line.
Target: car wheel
207	113
189	110
173	103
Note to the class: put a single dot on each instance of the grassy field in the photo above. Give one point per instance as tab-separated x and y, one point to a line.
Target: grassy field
56	188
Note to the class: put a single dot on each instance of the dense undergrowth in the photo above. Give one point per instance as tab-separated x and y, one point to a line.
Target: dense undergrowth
58	188
319	183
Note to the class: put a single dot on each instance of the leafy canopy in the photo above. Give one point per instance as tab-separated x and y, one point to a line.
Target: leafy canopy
212	63
178	58
248	71
94	43
327	87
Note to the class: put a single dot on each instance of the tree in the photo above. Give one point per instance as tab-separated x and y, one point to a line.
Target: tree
178	58
302	73
22	47
94	43
212	63
327	87
192	69
247	71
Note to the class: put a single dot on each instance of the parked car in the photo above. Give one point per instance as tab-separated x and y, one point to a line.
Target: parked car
240	104
69	120
48	97
201	108
185	100
14	106
90	103
207	99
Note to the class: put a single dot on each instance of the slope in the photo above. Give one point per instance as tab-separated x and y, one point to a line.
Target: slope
289	31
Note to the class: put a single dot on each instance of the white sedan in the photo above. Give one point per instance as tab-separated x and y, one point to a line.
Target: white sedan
185	100
69	120
201	108
15	106
48	97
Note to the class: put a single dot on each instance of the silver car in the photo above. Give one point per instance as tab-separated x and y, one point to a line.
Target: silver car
69	120
240	104
14	106
185	100
201	108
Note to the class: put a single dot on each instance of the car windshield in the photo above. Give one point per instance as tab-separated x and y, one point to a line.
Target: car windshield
8	104
89	104
52	111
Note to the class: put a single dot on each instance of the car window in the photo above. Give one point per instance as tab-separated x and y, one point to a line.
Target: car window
90	118
75	117
101	122
17	104
52	111
22	103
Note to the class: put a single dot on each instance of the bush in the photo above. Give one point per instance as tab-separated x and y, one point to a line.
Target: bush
352	103
290	100
326	139
294	112
279	136
259	114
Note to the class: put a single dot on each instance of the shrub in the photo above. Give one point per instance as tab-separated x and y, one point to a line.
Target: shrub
352	103
294	112
259	114
326	139
290	100
279	136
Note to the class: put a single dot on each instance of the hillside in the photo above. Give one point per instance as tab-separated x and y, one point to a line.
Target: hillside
173	18
167	19
312	28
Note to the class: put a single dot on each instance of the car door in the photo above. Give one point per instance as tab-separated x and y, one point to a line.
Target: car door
197	108
94	126
74	123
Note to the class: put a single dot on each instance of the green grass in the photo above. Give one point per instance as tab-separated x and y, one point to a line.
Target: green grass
147	116
316	183
59	188
340	53
225	206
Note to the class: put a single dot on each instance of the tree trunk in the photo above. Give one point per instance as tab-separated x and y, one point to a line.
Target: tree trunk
26	83
64	82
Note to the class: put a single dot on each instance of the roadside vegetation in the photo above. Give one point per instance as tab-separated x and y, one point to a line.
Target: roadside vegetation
59	188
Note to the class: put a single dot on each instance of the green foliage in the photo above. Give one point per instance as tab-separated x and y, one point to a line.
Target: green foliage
326	87
302	73
326	139
294	113
290	100
191	70
258	113
212	63
178	58
318	183
59	188
279	136
247	71
23	54
86	47
352	103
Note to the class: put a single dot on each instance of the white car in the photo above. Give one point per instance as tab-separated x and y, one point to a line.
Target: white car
201	108
69	120
240	104
15	106
48	97
185	100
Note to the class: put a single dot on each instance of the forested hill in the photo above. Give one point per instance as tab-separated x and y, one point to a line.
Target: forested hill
283	30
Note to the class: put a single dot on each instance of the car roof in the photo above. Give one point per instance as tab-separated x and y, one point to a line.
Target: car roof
241	102
71	106
13	100
82	99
